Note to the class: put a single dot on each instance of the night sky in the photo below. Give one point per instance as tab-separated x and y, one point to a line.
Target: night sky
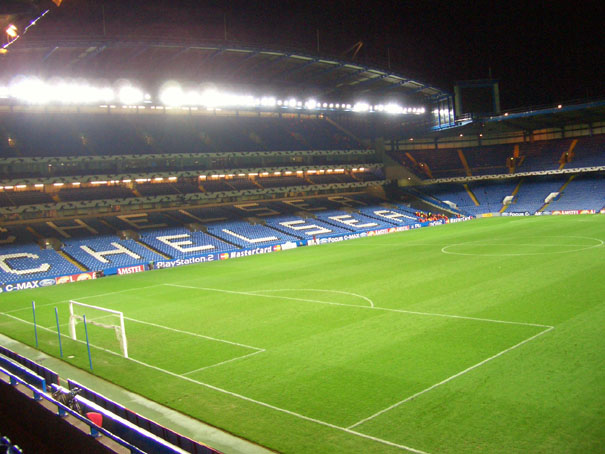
542	52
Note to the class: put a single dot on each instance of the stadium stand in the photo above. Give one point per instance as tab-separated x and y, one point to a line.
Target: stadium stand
354	221
533	193
245	235
181	243
305	228
80	135
17	198
582	193
95	193
103	252
30	263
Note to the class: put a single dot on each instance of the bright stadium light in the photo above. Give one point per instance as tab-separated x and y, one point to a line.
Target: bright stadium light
30	90
361	107
11	31
393	109
311	104
130	95
210	98
171	94
268	101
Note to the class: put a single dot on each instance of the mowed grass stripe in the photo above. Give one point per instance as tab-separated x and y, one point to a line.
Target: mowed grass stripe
549	289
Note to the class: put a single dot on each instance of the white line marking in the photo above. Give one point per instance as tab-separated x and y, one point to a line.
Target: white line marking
240	396
80	298
224	362
445	248
193	334
419	393
403	311
315	290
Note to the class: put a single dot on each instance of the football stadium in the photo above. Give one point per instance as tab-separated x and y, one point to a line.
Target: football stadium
210	245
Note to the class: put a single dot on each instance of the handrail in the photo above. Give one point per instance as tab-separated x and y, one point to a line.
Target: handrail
64	410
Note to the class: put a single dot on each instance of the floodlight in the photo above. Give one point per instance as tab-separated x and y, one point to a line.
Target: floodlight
171	94
311	104
29	89
268	101
130	95
210	98
292	102
11	31
394	109
361	107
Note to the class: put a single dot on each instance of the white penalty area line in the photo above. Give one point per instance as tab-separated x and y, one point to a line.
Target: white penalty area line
386	309
81	298
443	382
240	396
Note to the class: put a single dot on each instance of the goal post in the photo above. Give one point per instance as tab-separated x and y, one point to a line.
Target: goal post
98	316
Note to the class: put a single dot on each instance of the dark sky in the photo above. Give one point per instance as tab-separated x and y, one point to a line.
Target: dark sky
541	52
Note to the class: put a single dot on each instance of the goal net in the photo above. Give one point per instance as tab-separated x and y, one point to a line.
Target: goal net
98	316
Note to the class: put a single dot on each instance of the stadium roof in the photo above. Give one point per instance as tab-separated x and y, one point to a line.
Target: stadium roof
529	120
282	72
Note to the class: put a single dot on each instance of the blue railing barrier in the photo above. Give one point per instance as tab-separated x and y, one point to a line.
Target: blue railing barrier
172	437
138	434
49	375
64	410
14	370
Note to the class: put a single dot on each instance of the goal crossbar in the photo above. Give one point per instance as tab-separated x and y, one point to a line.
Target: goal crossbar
119	329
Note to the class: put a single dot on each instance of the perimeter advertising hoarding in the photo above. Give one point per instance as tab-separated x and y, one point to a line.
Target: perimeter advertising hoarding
76	277
224	255
131	269
27	285
516	213
561	212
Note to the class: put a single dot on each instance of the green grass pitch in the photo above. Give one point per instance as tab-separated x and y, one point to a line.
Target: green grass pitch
484	336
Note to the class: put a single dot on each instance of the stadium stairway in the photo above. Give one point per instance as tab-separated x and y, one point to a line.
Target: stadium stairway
471	195
146	246
464	163
514	193
561	189
568	155
72	260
